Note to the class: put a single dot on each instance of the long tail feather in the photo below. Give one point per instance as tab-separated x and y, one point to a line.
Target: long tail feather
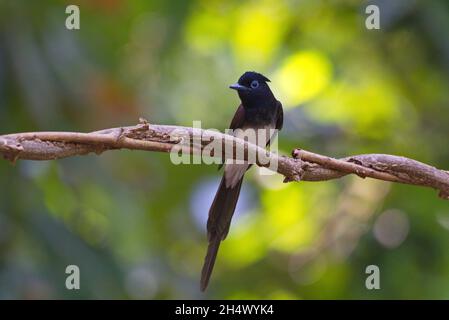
209	262
220	215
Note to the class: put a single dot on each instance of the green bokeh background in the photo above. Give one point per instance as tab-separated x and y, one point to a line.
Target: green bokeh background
134	223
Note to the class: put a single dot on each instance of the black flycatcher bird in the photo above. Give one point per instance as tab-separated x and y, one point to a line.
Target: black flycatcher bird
259	110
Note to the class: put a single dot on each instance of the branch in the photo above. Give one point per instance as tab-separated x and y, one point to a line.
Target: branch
304	165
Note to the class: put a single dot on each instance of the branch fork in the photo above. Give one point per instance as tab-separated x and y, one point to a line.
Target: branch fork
302	166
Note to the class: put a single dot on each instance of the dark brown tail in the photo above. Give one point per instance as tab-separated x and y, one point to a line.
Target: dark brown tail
220	215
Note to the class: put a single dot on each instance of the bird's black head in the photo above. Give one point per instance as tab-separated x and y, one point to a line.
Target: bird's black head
253	89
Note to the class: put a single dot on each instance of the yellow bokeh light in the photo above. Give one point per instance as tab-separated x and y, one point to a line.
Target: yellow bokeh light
208	29
254	248
258	32
302	76
294	237
366	105
283	207
285	218
282	295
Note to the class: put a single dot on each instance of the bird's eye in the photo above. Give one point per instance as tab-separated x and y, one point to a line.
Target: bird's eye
254	84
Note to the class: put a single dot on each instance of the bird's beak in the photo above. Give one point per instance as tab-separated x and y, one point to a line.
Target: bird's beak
238	87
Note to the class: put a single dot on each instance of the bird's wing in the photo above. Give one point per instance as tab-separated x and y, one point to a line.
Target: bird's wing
239	118
280	116
237	122
279	120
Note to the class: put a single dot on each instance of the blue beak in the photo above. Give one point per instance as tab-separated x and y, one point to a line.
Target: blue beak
238	87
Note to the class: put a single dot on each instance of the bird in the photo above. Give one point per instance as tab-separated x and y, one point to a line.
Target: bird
259	110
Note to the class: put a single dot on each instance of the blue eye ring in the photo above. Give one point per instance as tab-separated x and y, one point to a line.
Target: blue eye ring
254	84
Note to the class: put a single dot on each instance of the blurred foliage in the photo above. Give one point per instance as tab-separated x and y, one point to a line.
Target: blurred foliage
135	223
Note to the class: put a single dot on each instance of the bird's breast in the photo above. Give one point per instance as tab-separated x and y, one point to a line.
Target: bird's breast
260	116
